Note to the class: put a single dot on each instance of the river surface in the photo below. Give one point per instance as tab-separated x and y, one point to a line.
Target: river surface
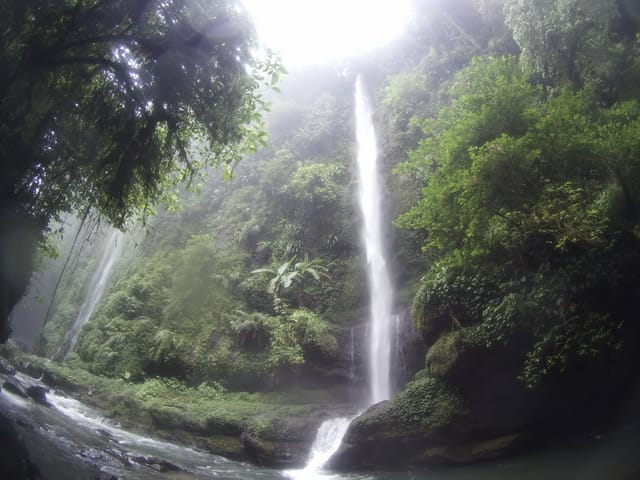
72	441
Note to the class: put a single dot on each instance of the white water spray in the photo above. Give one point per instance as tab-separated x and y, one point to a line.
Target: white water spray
94	293
327	441
379	281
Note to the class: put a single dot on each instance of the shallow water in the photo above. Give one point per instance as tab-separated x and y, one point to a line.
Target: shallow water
71	440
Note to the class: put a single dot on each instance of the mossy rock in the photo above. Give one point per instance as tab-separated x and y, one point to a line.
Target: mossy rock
228	446
431	323
487	376
173	418
443	356
425	406
462	359
277	454
429	412
223	425
433	422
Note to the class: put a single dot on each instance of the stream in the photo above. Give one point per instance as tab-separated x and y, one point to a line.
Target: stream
72	441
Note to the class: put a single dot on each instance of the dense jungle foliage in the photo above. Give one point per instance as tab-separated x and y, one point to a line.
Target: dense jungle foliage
106	105
239	284
512	128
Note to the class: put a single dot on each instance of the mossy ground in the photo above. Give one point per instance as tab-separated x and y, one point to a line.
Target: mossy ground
205	415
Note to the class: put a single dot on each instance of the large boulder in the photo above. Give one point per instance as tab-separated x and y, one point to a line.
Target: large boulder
468	405
465	406
26	387
426	414
279	438
14	457
487	376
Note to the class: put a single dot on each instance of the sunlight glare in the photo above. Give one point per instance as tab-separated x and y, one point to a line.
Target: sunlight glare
313	31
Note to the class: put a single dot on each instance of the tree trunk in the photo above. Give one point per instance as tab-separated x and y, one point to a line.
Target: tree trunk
19	237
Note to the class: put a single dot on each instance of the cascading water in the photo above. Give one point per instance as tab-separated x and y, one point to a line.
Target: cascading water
380	332
400	360
327	441
69	440
352	354
380	290
94	293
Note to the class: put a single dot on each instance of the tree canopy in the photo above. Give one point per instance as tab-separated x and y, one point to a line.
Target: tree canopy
104	104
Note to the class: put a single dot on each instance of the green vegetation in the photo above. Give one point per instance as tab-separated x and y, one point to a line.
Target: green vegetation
425	404
520	212
205	414
531	218
510	133
108	105
291	273
206	296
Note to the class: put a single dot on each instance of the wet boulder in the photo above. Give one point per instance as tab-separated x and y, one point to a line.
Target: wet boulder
465	406
428	413
158	464
487	376
6	367
38	393
27	387
11	385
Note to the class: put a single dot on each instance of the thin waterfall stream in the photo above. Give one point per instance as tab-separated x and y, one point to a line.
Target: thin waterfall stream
381	320
97	285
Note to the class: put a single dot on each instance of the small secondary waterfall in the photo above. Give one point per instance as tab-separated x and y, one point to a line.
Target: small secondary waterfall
69	440
94	293
327	441
380	331
380	290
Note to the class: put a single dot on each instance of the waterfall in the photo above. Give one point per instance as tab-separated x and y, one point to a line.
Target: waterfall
380	290
95	290
379	330
352	354
327	441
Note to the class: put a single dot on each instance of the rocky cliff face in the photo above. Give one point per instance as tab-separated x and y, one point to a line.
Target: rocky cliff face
467	405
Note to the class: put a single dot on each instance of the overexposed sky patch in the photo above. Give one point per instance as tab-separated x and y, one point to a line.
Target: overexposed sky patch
305	32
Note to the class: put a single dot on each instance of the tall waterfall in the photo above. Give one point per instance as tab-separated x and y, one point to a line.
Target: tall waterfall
380	290
331	432
98	283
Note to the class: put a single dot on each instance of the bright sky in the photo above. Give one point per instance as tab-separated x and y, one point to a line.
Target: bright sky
304	32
